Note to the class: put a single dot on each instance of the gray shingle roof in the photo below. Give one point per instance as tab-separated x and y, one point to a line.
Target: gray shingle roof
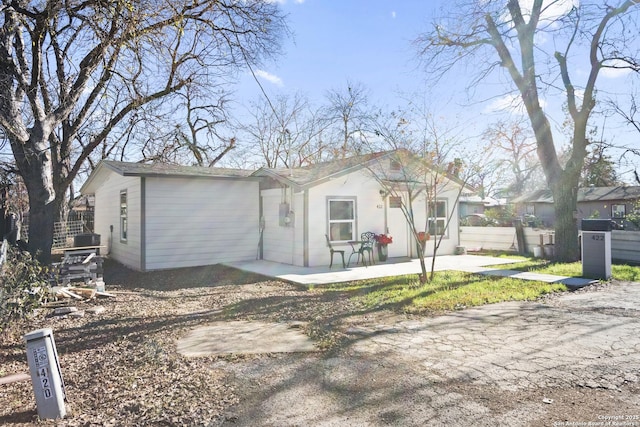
307	175
311	175
589	194
161	169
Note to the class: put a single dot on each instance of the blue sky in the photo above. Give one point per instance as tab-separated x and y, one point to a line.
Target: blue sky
365	41
370	42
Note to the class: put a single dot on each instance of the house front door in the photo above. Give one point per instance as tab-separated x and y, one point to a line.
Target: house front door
398	228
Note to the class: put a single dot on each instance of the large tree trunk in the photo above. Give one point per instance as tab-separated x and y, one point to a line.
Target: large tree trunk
41	216
36	170
565	195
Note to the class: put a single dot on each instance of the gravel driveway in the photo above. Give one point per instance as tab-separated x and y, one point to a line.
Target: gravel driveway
567	360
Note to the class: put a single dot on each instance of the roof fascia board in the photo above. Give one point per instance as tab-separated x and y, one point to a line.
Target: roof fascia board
271	174
113	167
186	175
93	176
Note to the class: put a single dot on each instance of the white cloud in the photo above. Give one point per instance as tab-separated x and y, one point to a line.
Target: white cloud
614	73
551	10
510	103
393	14
579	94
271	78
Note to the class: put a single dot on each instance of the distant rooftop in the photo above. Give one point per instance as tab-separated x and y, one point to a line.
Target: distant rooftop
588	194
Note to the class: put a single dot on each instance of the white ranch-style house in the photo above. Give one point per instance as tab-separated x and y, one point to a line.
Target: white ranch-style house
153	217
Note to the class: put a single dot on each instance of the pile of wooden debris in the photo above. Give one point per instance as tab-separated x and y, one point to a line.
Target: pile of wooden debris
79	278
82	264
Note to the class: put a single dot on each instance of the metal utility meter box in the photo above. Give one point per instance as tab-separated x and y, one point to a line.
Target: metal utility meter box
46	377
596	248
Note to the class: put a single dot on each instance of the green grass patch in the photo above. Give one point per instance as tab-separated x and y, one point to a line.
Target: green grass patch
454	290
449	290
626	273
620	272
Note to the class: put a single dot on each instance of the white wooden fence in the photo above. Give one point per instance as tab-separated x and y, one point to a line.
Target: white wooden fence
625	245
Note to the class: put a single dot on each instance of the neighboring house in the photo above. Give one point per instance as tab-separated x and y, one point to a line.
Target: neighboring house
82	208
472	204
593	202
177	216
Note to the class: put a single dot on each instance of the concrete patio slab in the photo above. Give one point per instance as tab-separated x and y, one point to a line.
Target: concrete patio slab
393	267
570	282
246	338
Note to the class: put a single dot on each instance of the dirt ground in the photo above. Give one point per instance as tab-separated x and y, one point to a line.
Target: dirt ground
121	367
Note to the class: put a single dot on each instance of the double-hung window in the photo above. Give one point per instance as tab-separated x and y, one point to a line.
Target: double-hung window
618	211
341	214
438	218
123	216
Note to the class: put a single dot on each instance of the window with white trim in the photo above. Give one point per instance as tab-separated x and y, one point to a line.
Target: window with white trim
618	211
123	216
341	215
437	218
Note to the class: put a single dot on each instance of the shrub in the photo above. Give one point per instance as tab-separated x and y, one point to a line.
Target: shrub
23	286
502	216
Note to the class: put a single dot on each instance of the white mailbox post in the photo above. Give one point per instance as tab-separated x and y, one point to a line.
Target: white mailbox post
46	377
596	248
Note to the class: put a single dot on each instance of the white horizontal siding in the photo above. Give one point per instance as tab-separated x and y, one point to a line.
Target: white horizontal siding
365	190
107	214
191	222
625	246
278	240
501	238
492	238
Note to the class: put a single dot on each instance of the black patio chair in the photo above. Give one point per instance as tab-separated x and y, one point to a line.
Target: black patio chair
334	251
367	240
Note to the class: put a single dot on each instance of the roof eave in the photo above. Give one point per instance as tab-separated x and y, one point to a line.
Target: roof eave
265	172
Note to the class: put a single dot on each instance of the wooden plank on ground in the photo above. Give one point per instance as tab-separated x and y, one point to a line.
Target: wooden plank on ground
14	378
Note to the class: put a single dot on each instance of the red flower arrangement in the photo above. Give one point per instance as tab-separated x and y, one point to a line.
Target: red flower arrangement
423	237
383	239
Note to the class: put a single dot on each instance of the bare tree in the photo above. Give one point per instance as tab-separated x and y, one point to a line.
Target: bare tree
286	131
196	133
277	129
631	115
599	168
513	146
423	176
66	66
490	38
348	115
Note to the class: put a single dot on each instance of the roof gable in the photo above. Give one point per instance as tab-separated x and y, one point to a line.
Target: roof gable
315	174
312	175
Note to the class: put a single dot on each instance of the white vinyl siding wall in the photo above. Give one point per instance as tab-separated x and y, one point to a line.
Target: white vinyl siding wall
359	186
191	222
107	213
282	243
